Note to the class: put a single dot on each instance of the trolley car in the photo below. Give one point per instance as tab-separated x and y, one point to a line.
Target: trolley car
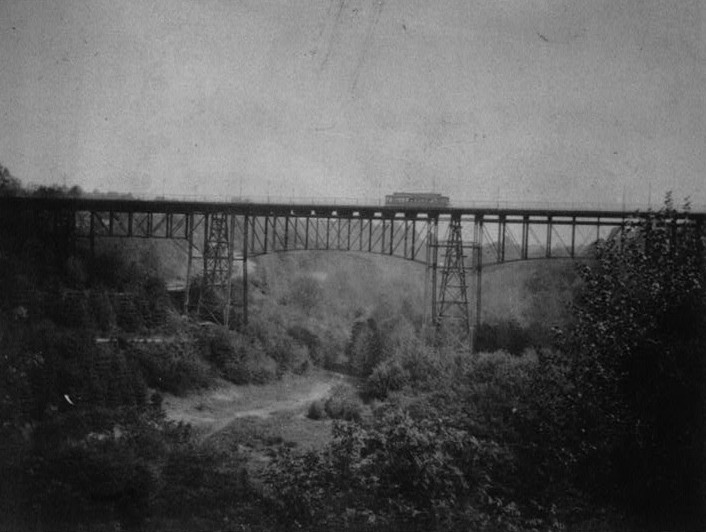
417	199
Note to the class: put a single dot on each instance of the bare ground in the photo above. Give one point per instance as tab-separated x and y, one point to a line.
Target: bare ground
213	410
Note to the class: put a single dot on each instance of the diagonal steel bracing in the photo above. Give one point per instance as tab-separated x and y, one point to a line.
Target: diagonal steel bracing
218	244
218	235
449	287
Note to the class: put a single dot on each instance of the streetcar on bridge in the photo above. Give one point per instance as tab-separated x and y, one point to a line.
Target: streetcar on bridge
417	199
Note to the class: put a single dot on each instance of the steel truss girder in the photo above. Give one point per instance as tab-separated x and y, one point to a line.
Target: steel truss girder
500	237
506	238
398	237
130	224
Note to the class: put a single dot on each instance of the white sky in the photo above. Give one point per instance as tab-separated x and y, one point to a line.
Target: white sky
561	100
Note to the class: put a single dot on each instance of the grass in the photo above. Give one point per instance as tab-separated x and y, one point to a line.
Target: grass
258	438
256	420
283	428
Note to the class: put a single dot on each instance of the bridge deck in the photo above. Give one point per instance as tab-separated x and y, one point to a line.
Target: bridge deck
302	209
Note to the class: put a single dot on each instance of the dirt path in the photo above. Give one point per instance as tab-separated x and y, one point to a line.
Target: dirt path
212	410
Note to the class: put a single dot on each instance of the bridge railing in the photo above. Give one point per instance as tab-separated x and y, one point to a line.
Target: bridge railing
362	201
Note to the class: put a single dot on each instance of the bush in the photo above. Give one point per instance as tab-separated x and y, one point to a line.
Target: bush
365	349
217	345
173	367
198	482
399	474
520	404
389	376
157	302
426	365
75	272
72	364
92	465
288	347
129	313
316	410
308	339
636	360
251	367
344	403
98	481
102	311
505	335
239	358
70	308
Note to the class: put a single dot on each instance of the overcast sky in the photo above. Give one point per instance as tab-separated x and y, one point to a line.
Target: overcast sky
563	100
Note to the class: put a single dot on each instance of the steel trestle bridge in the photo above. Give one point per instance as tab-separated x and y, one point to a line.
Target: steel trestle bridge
455	244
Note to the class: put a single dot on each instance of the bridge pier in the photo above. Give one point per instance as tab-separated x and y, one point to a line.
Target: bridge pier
432	261
478	232
448	298
245	269
218	245
189	260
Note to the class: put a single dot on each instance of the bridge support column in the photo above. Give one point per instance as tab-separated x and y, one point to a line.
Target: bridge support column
430	283
478	241
245	269
229	279
453	313
447	298
189	259
217	266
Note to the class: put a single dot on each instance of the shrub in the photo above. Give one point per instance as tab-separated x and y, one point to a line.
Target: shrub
507	335
129	314
636	360
102	311
389	376
239	358
520	403
424	364
316	410
75	272
250	366
399	474
308	339
365	349
71	364
344	403
156	302
173	367
93	465
298	361
217	345
201	482
291	352
70	308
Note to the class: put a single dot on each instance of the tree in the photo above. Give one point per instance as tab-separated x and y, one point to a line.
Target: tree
365	349
9	185
637	362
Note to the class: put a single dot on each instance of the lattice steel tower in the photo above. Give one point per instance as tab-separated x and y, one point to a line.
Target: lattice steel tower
217	265
450	307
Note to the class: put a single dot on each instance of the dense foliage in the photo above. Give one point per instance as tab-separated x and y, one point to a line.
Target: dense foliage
396	474
608	424
637	357
607	429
